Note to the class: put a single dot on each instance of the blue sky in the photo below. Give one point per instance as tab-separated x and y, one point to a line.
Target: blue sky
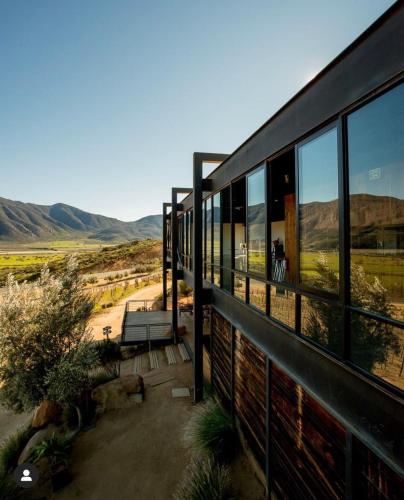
103	102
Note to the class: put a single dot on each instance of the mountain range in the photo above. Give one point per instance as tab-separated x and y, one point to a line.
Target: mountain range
27	222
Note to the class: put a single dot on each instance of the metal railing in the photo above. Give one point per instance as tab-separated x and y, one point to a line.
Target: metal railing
143	305
147	333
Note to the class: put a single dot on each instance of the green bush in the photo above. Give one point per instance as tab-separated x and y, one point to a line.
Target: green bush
108	352
11	449
211	431
204	479
8	488
56	449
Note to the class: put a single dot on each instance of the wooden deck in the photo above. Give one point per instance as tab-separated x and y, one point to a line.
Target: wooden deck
146	326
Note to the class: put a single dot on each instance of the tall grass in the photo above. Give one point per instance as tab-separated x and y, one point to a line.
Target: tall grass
211	431
11	449
204	479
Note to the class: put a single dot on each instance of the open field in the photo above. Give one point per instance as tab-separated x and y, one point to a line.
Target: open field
139	256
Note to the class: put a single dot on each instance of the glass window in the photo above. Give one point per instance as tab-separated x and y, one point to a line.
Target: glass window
204	239
239	220
378	348
258	294
376	185
256	222
318	212
226	237
240	286
283	218
216	229
208	238
282	305
216	276
322	322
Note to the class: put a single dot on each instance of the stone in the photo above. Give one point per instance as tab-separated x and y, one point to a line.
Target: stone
37	438
180	392
109	396
46	413
132	384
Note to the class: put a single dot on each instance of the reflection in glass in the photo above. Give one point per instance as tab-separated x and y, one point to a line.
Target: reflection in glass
322	322
204	239
239	220
226	243
239	286
216	276
318	210
258	294
378	348
208	238
256	222
376	183
282	305
216	229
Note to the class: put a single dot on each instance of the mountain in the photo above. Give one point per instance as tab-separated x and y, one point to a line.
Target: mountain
27	222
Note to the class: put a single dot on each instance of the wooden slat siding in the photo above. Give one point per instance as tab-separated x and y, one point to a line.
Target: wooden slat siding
307	444
250	393
373	479
221	358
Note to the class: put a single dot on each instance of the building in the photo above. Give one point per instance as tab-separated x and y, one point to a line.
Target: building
295	242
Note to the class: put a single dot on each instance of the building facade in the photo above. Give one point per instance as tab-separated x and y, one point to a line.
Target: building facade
295	243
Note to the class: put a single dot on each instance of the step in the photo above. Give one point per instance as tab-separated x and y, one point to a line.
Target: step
137	365
154	360
183	352
172	360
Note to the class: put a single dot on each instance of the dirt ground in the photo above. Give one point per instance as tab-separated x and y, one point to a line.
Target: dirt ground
138	453
11	422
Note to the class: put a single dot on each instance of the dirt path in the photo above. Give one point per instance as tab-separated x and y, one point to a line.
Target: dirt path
137	452
10	422
113	317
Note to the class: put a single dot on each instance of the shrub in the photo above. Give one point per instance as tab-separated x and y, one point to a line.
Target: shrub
37	328
205	480
11	449
8	488
56	449
211	431
185	291
108	352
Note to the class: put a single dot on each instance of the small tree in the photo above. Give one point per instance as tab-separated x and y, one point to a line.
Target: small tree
39	325
371	340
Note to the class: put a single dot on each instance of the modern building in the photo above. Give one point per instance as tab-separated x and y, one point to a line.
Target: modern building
295	243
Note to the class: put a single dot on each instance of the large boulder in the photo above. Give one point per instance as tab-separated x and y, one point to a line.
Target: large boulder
46	413
132	384
109	396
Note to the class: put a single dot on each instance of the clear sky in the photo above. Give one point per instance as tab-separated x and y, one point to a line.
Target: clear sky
103	102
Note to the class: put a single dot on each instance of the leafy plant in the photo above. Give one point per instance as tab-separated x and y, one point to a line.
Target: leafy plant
211	431
56	449
38	327
109	354
101	377
204	479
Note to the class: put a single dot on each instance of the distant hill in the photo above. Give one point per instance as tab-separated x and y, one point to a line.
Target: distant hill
27	222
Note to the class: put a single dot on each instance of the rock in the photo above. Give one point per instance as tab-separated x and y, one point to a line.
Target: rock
109	396
37	438
132	384
46	413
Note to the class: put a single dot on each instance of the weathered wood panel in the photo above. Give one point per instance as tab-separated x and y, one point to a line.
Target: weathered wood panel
221	358
307	445
250	393
373	479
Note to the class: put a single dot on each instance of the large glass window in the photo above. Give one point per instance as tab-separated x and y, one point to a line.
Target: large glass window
239	221
256	241
240	286
282	305
283	218
376	189
318	211
209	239
216	229
226	248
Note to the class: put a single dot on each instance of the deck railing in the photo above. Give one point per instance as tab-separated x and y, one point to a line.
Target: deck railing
144	305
